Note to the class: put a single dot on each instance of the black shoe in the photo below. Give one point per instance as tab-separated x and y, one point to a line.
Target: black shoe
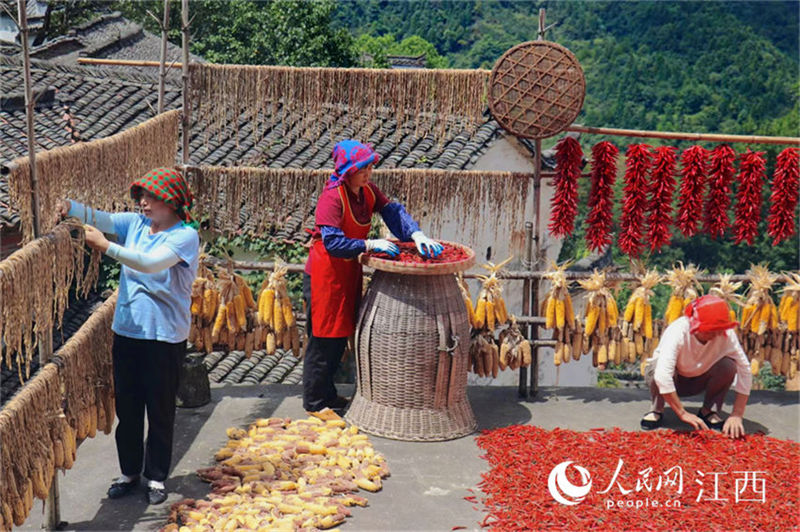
339	403
714	425
156	495
120	488
650	424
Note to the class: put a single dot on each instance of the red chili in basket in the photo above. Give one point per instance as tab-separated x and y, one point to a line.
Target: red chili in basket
409	254
516	495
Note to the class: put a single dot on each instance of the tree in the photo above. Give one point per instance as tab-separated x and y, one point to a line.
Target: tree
373	51
273	32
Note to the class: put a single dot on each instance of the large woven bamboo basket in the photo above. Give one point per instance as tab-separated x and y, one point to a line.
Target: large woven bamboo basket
412	348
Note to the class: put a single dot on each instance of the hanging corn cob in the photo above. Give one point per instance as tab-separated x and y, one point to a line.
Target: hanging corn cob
462	285
638	329
204	308
489	315
490	310
559	314
726	289
515	350
275	314
760	335
601	335
789	324
685	289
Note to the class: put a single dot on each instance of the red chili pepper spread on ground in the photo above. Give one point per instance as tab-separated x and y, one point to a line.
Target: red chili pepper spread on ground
410	255
661	480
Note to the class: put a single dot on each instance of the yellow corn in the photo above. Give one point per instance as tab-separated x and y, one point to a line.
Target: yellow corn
561	319
613	311
197	305
500	310
480	313
232	320
220	321
592	315
269	306
674	308
550	313
470	312
288	315
602	320
569	311
648	321
638	314
247	293
241	317
490	317
210	302
747	311
792	315
277	317
629	310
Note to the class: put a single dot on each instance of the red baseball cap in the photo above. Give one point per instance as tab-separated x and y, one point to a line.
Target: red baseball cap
709	313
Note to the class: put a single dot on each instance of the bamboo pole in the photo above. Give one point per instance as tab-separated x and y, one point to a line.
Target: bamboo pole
185	124
711	137
45	338
126	62
162	71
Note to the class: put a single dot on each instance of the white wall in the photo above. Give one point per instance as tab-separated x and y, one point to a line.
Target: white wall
508	155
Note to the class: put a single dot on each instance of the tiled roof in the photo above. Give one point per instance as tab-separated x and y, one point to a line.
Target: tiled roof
98	102
74	317
234	368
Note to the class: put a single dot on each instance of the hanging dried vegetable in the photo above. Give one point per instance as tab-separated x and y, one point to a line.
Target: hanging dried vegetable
685	289
634	203
85	367
35	440
559	315
34	290
276	316
601	335
789	318
694	167
98	173
662	187
783	201
300	101
718	201
748	197
564	205
600	219
760	327
640	332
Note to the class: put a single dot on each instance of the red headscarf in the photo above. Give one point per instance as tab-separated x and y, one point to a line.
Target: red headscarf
708	314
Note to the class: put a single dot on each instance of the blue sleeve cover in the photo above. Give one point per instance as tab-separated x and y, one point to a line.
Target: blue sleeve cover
340	246
399	222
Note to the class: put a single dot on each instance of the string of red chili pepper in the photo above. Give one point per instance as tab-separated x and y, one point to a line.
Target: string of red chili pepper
516	494
564	205
748	197
718	201
690	203
662	187
600	219
783	201
634	202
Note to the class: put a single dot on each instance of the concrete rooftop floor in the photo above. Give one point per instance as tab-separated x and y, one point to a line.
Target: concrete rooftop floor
429	480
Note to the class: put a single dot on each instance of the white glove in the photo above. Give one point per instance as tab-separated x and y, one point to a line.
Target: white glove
382	245
426	246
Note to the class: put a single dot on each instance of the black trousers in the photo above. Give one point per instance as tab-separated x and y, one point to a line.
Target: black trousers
321	361
145	378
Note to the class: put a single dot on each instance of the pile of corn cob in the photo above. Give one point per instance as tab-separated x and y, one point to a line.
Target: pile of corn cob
284	474
638	329
275	313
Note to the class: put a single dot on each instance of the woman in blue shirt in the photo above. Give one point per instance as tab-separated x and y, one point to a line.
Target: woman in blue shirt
158	250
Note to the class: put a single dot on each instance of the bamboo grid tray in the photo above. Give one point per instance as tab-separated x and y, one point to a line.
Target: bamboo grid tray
422	268
536	89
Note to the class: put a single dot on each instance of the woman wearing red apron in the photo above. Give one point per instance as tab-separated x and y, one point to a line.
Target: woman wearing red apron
332	280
